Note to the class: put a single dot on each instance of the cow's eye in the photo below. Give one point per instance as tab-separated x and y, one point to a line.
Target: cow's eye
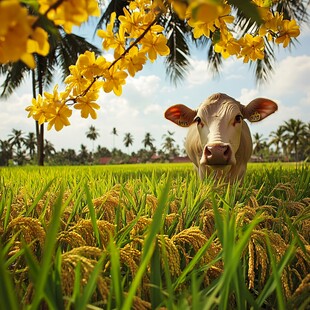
238	118
197	120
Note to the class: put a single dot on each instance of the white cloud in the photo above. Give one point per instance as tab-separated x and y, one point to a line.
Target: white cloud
198	73
291	77
247	95
143	86
153	108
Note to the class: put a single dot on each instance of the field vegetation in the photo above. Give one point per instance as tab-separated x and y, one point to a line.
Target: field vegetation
154	236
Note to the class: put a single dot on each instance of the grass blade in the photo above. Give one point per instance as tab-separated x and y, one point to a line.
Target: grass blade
7	292
148	248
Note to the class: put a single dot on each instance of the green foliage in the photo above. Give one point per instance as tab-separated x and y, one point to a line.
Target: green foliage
151	236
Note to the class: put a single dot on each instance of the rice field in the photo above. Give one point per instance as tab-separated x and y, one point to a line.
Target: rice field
154	237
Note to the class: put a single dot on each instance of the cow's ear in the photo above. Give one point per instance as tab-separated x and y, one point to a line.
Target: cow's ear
259	109
180	115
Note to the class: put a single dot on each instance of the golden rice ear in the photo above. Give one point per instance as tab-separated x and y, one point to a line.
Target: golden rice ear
259	109
180	115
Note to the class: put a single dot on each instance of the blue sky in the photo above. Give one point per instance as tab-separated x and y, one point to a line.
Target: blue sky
141	107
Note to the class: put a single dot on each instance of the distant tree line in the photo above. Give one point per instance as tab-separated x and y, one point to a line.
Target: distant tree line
290	142
21	149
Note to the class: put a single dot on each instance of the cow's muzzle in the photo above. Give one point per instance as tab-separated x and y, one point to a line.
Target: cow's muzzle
217	155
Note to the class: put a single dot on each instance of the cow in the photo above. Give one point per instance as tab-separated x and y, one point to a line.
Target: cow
218	138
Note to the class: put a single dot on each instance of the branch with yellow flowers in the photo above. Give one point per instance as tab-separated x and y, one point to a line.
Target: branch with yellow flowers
139	38
90	74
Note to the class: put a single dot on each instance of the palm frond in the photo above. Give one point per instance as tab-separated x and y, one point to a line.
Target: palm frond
294	9
264	68
215	59
114	6
177	62
15	75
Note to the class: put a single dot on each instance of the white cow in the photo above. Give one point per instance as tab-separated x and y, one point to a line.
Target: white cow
218	138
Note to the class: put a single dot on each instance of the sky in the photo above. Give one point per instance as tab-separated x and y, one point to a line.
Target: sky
145	98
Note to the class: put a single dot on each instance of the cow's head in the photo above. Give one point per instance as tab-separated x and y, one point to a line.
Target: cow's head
219	122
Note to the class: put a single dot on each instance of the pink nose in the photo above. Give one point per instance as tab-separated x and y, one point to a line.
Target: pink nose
218	154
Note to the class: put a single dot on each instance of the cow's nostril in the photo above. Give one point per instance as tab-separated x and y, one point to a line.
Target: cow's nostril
208	151
226	152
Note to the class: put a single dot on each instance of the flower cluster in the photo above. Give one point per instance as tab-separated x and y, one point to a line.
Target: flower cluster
139	38
20	37
214	20
67	13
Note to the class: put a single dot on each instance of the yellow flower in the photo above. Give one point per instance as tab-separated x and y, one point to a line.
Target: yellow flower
76	79
114	79
69	12
134	61
89	66
288	29
119	44
38	43
38	110
180	7
201	28
271	25
155	44
58	117
206	11
14	31
227	46
263	3
87	104
108	34
252	47
132	23
224	18
206	27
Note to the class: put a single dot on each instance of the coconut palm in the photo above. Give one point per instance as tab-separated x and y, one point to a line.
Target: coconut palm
258	143
49	149
148	141
17	139
168	144
128	140
277	139
92	134
30	144
6	152
64	51
180	37
295	130
83	154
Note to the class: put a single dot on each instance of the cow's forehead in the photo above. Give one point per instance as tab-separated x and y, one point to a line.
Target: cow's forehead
218	105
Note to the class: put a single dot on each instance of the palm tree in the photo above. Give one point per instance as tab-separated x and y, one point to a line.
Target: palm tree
258	143
180	37
294	133
49	149
30	144
92	134
148	141
114	133
128	140
277	139
168	144
83	154
305	142
17	139
5	152
64	51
